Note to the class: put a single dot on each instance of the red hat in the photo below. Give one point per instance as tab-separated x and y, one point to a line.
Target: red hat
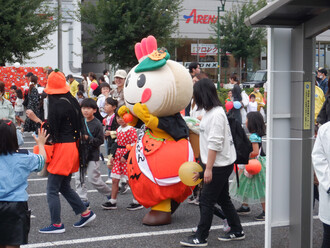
56	84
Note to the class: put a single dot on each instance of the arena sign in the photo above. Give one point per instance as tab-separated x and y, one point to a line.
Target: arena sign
203	19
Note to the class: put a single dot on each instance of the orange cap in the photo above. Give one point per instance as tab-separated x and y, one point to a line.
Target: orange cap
56	84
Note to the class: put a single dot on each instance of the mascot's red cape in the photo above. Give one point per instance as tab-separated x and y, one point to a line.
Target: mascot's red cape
155	91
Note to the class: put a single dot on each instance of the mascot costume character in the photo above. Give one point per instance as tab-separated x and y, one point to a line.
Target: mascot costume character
155	91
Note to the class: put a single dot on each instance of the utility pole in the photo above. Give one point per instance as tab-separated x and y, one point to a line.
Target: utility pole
220	8
59	37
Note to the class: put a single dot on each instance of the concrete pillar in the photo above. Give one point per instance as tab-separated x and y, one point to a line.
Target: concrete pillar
302	121
278	131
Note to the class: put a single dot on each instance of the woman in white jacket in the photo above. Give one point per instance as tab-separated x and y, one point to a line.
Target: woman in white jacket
218	155
321	162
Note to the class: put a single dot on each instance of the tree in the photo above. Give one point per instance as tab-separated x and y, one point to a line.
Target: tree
116	26
25	26
240	40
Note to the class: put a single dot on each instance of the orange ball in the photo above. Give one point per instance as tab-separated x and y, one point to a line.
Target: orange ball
253	167
128	117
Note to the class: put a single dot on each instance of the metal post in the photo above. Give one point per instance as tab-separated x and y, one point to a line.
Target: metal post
197	50
59	37
302	121
222	8
219	55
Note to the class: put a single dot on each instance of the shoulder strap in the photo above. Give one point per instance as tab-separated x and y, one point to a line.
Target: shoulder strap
22	151
89	132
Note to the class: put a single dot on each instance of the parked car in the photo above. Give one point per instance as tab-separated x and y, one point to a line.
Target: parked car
78	78
259	77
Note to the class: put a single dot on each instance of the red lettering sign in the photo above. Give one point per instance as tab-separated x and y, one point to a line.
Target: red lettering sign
203	19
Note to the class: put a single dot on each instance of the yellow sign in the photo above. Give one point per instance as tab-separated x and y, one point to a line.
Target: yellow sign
307	105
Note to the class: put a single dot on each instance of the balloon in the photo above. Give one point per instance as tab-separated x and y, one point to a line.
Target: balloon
186	173
17	64
94	86
229	105
237	105
253	167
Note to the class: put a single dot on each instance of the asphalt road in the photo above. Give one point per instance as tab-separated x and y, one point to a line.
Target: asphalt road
122	228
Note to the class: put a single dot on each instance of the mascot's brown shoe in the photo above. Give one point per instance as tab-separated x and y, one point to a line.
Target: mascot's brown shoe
157	218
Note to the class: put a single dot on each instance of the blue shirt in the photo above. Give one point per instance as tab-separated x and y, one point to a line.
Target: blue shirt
324	85
14	171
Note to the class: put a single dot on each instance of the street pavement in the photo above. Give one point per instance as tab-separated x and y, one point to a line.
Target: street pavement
122	228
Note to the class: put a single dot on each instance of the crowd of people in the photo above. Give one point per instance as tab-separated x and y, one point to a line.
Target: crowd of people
75	119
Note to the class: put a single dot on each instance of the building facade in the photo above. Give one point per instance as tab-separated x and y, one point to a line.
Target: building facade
194	33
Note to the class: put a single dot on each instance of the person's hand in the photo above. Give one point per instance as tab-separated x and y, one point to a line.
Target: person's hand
207	176
32	116
123	160
107	133
42	137
196	176
111	164
86	137
199	117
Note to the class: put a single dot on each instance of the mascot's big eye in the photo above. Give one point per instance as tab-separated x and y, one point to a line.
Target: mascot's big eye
127	80
141	81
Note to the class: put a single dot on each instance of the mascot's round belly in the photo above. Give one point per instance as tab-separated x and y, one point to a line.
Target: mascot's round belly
153	167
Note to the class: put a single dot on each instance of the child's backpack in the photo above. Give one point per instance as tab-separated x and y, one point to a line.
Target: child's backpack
242	144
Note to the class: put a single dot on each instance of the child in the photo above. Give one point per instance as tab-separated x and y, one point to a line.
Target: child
111	126
80	96
252	105
105	90
229	96
12	94
95	137
126	135
15	167
82	89
19	108
252	188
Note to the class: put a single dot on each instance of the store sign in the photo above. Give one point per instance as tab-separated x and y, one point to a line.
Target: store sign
203	19
204	65
204	49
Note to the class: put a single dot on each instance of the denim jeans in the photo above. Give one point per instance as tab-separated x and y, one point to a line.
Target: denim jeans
326	236
217	191
56	184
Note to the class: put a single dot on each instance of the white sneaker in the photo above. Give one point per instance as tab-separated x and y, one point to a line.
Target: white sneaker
109	181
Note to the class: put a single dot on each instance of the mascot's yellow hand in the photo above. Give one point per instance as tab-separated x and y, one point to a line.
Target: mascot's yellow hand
123	110
142	112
